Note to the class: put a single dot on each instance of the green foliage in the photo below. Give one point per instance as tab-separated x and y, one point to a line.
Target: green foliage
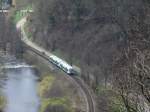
19	15
46	103
55	102
45	85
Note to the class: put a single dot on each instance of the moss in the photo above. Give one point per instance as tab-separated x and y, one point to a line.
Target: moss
45	85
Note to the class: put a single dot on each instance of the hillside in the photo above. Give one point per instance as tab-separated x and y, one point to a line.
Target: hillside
108	40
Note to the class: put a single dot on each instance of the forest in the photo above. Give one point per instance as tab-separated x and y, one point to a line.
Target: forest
109	40
9	38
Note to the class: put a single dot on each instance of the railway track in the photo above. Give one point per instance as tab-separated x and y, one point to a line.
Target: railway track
75	80
87	92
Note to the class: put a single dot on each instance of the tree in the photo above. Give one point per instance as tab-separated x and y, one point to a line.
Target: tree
109	38
9	38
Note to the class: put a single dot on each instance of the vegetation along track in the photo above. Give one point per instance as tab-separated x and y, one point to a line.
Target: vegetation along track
74	79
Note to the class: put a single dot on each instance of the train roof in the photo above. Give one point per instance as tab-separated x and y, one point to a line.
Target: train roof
61	61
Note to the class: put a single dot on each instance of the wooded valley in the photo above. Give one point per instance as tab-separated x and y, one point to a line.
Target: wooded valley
109	40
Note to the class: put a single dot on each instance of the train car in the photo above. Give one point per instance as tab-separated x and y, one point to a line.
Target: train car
62	64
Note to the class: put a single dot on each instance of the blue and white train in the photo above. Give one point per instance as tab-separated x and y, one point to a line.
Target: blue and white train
62	65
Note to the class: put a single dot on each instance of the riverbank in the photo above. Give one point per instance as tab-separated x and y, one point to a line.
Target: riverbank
56	91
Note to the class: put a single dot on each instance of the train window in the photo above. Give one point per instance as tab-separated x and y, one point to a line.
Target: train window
53	61
60	65
56	62
72	71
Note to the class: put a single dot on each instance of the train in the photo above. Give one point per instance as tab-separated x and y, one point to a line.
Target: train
55	61
62	65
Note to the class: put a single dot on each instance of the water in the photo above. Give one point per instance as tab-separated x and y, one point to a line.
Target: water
20	90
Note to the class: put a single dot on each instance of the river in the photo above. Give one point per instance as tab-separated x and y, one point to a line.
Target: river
20	90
